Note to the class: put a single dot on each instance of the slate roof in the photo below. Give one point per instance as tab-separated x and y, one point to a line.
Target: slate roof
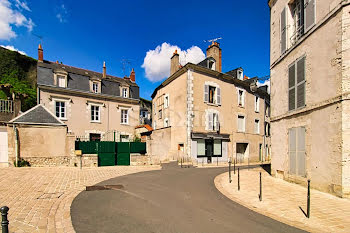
38	115
78	79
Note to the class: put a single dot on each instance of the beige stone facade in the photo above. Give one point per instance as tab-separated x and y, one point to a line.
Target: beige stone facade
310	93
198	106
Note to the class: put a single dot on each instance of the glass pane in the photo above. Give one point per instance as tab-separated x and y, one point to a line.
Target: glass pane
217	147
201	147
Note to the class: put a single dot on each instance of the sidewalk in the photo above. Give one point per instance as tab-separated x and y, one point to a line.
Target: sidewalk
40	198
282	201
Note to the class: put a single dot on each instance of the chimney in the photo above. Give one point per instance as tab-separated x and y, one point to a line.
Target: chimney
104	70
40	54
132	75
174	63
214	51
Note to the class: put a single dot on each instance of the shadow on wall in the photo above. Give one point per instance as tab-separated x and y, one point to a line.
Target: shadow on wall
267	168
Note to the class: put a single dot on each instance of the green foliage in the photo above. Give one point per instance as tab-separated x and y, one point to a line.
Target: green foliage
137	139
19	71
21	163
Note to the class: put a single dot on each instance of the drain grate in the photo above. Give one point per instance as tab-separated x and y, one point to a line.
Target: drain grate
104	187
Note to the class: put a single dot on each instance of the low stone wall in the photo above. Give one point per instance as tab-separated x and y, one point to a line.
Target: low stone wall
141	160
61	161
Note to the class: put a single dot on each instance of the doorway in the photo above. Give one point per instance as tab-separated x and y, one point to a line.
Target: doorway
95	137
241	152
209	149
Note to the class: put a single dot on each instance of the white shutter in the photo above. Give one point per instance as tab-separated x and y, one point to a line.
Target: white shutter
309	14
218	96
224	149
300	155
194	149
206	93
210	121
292	150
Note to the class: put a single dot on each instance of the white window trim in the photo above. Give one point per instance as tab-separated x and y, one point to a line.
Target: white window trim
98	87
211	111
166	119
99	112
244	117
243	97
127	92
57	79
257	104
127	118
65	108
213	84
167	102
257	132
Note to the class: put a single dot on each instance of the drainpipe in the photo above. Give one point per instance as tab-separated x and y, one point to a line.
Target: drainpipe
16	143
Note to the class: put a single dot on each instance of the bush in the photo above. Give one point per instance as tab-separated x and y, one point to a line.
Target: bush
22	163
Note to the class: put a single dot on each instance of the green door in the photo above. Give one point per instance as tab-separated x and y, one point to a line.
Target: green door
106	154
123	153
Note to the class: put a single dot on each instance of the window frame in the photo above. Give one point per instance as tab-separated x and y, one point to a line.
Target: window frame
61	77
257	104
60	108
93	116
243	97
94	83
296	84
124	121
125	94
243	126
257	127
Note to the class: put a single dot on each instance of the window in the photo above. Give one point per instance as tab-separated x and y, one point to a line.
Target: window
95	137
61	81
60	109
241	124
166	122
213	121
95	87
267	129
241	98
124	118
296	85
217	148
257	126
211	64
124	138
125	92
297	160
144	114
200	148
166	101
257	104
160	114
212	94
240	74
95	113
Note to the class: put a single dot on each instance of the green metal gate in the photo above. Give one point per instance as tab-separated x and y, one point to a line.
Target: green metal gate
106	154
123	153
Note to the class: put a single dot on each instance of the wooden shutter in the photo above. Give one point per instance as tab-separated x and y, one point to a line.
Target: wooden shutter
283	31
300	152
206	93
218	96
194	149
292	150
210	121
300	83
309	14
217	123
291	88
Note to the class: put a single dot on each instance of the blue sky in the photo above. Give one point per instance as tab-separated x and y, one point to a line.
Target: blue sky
86	33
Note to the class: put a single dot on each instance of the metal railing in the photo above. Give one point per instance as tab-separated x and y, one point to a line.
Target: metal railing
6	106
298	33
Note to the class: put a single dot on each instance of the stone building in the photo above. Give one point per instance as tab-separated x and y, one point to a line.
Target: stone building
93	105
310	114
201	113
145	112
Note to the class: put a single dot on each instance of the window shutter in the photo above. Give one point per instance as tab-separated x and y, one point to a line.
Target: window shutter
301	151
291	86
292	150
300	83
283	31
310	14
206	93
218	96
217	123
210	121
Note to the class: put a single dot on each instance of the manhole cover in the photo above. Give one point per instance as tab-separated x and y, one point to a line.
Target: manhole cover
104	187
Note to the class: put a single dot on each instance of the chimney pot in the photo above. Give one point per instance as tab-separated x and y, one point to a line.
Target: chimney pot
40	53
132	75
104	70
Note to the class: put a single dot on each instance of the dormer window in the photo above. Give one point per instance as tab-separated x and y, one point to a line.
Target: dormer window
240	74
61	80
95	88
211	64
125	92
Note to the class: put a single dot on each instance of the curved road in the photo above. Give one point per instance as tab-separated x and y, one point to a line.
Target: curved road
167	200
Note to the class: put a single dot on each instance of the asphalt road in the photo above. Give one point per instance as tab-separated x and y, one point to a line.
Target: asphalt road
167	200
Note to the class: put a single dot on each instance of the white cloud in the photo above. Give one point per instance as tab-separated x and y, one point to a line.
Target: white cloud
62	13
10	47
266	82
157	62
22	5
10	17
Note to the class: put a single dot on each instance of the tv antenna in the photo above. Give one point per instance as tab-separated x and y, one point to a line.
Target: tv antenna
40	37
126	66
213	40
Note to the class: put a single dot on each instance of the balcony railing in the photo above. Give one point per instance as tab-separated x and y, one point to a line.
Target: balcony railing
6	106
299	32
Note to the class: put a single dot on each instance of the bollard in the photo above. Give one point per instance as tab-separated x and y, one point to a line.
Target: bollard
4	222
217	160
181	161
239	187
260	195
308	198
202	162
234	166
229	171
